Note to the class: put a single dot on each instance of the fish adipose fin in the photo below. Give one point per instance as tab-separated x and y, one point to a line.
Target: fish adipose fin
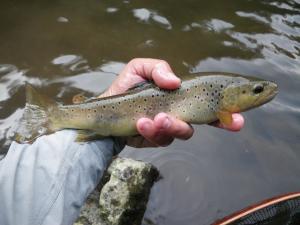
36	120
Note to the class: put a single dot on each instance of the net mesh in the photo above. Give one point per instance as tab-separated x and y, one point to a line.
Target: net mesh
282	213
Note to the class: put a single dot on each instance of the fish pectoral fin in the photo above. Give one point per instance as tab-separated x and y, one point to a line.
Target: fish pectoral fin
225	118
87	135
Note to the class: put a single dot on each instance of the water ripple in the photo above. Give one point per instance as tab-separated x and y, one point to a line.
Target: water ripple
148	16
191	179
11	79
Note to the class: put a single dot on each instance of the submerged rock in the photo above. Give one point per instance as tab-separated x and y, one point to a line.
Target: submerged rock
124	197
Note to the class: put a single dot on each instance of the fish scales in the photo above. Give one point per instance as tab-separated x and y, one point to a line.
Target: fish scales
194	102
201	98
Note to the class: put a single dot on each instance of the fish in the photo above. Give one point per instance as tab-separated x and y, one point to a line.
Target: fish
202	98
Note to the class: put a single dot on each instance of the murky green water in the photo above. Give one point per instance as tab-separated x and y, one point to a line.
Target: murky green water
65	47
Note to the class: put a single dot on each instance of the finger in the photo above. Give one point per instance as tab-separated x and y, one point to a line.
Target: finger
154	135
238	122
173	127
157	70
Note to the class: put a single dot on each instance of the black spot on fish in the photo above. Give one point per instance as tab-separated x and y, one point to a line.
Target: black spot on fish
95	110
207	93
204	89
104	107
153	96
113	107
145	99
244	92
221	86
211	85
119	103
212	94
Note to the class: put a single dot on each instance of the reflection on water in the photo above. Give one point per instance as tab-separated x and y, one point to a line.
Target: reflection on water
67	47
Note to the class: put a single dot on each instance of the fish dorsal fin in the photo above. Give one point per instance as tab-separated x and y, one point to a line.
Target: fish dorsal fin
142	85
136	88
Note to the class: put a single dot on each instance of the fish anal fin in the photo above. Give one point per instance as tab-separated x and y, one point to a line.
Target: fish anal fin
225	118
87	135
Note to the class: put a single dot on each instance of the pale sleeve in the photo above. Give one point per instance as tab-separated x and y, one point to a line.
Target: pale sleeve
47	182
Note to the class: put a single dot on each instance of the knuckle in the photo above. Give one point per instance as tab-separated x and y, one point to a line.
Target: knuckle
162	62
134	61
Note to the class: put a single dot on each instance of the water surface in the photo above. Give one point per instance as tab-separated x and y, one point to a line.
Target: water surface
66	47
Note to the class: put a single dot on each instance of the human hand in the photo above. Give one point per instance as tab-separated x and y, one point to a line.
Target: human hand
163	129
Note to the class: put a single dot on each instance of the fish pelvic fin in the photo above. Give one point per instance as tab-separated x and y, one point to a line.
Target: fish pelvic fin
36	120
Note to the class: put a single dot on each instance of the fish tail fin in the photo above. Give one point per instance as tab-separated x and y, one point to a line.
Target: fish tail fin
37	116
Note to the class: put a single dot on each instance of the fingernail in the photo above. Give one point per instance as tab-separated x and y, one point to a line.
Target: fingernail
172	76
161	69
166	123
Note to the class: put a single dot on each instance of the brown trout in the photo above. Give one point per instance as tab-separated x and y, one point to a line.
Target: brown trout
202	98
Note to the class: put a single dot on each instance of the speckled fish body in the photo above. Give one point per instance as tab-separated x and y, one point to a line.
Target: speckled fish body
202	98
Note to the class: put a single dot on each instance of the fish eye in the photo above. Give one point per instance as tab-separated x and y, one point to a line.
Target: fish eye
258	89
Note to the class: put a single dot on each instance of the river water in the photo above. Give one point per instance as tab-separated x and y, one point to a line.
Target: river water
66	47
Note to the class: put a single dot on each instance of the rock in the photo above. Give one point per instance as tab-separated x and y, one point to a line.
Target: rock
125	190
124	197
89	214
